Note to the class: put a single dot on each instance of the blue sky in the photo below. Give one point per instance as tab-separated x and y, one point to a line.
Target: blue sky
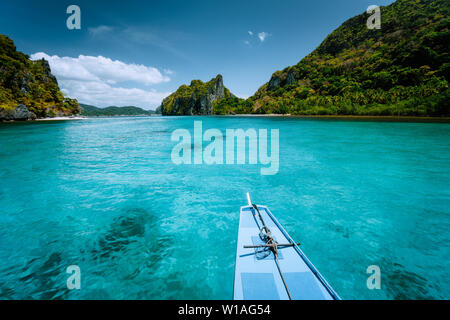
136	52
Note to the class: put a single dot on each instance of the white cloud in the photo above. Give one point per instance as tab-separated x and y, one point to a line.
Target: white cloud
99	30
263	36
102	94
90	80
243	95
100	68
250	33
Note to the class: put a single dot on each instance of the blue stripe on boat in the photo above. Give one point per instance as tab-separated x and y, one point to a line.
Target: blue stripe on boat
304	286
253	282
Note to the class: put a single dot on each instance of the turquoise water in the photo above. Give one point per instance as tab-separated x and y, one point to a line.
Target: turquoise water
103	194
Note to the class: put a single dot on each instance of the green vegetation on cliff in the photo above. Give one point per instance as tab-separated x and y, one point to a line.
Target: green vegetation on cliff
199	98
92	111
401	69
30	83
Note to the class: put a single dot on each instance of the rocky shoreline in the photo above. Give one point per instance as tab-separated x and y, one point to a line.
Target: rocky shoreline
22	113
28	89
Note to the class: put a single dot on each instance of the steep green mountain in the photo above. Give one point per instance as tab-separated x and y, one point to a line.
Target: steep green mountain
92	111
198	98
401	69
27	88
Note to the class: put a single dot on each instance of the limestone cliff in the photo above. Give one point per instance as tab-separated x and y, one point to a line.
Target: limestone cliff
28	90
196	99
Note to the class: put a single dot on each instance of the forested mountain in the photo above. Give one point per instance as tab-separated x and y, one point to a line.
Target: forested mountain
199	98
91	111
401	69
28	89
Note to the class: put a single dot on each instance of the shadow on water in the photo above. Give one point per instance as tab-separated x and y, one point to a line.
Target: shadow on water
131	249
135	234
46	278
402	284
6	292
339	228
123	231
175	287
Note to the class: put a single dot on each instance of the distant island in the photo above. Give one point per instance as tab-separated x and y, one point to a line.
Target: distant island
198	98
91	111
29	91
402	69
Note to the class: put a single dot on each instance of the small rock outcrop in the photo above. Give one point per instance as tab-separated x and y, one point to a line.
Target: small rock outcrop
279	79
20	113
195	99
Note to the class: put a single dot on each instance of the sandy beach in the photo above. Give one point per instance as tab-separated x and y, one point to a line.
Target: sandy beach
61	119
